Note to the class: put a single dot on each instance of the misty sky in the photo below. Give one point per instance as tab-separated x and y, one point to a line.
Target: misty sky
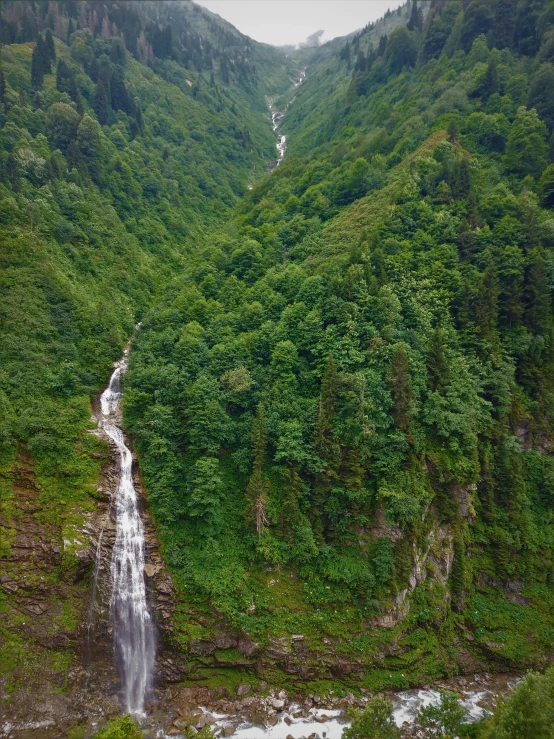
292	21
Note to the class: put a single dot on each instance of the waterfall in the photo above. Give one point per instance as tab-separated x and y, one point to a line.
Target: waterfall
133	628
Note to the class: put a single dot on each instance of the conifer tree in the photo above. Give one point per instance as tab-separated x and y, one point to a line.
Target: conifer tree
37	69
490	83
541	94
102	102
504	24
460	179
49	47
438	371
401	388
2	86
416	18
538	313
70	30
487	304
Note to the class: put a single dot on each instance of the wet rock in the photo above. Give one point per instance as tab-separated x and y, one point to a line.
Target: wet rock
243	689
206	719
278	704
228	730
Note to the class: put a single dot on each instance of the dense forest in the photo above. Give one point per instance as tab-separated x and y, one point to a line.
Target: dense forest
343	406
120	150
341	393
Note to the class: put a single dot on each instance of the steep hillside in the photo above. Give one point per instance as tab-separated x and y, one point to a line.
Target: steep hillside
343	409
127	132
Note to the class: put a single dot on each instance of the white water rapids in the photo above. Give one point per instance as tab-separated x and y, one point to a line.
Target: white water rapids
133	628
277	117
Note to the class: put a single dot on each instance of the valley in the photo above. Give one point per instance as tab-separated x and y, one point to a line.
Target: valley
323	466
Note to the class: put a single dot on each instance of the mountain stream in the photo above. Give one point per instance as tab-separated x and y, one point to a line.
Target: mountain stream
133	627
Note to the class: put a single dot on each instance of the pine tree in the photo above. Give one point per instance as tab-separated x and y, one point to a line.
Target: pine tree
467	244
453	133
49	47
460	180
541	94
43	56
400	387
70	30
416	18
504	24
438	371
102	103
118	91
487	304
538	313
490	83
2	86
37	71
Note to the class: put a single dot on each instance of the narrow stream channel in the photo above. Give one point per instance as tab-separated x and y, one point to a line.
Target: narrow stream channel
277	116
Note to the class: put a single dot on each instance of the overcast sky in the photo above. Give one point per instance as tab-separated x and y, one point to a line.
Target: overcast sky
282	22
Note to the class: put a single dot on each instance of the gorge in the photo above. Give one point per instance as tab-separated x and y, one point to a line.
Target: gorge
330	473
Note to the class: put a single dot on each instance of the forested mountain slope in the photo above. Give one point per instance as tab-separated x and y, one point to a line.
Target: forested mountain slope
127	132
343	408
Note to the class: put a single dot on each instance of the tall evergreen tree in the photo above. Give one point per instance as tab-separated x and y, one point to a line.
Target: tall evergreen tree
102	106
504	24
541	94
2	86
538	313
487	304
400	386
416	18
37	69
490	83
49	46
438	371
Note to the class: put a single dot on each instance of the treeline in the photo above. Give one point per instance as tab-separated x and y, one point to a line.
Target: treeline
153	31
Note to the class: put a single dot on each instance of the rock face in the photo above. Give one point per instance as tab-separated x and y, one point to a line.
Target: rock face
55	579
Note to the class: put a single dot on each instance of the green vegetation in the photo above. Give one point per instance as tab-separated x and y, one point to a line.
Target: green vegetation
120	728
121	145
342	391
374	721
369	340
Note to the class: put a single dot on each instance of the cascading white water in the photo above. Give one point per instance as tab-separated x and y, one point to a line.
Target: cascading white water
134	637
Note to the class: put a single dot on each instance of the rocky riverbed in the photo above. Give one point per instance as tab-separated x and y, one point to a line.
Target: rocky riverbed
277	714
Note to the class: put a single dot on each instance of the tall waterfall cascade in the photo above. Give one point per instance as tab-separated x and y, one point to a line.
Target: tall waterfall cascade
133	627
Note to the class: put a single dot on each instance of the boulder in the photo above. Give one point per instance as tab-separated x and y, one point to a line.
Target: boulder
243	689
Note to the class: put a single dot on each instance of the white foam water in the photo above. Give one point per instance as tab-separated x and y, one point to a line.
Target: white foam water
133	627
